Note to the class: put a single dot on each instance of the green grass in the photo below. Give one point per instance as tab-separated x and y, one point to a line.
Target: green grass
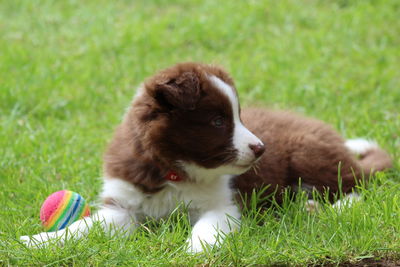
68	69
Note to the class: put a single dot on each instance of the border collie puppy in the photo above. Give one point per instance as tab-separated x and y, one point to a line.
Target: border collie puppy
185	139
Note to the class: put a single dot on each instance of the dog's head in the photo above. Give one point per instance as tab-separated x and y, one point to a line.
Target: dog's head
190	115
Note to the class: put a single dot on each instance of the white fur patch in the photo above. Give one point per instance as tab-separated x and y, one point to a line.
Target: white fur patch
242	137
123	193
360	146
347	201
139	91
212	226
311	205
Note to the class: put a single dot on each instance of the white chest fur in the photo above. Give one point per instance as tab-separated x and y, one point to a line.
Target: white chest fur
199	197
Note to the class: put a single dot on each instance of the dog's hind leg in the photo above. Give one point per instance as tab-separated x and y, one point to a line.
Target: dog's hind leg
370	156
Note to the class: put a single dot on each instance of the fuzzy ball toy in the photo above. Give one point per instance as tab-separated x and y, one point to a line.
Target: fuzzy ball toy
61	209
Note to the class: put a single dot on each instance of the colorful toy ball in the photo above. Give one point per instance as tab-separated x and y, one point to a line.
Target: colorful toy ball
61	209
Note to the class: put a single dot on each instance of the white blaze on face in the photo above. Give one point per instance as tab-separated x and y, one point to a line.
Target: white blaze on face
242	137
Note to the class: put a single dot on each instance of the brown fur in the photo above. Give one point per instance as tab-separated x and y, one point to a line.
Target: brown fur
298	147
170	121
375	160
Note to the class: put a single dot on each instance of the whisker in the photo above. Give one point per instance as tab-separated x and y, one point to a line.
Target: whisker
256	168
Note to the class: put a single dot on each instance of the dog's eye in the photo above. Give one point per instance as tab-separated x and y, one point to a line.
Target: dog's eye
218	122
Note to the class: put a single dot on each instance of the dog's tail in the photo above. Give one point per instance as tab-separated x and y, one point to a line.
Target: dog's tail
371	157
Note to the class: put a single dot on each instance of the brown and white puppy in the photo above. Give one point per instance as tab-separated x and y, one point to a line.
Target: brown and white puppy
184	139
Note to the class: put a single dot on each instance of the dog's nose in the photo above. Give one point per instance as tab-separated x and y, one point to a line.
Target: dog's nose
258	149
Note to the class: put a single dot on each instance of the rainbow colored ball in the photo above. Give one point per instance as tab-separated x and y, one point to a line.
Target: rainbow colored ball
61	209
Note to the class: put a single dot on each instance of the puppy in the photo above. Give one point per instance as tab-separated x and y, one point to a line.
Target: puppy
185	140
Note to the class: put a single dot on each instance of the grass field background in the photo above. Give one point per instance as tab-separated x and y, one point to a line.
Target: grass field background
68	69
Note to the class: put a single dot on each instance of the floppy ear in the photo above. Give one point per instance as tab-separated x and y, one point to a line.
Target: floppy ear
182	92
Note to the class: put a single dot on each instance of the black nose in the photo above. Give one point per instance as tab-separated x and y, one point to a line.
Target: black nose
258	149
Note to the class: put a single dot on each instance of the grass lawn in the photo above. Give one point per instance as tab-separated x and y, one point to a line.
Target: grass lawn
68	69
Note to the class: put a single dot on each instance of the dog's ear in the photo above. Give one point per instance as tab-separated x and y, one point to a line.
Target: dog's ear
182	92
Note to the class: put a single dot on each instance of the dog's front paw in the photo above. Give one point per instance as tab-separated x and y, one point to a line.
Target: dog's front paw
37	241
30	241
198	244
26	240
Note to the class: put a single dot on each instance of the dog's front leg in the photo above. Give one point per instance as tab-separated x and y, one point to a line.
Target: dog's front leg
110	218
212	226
